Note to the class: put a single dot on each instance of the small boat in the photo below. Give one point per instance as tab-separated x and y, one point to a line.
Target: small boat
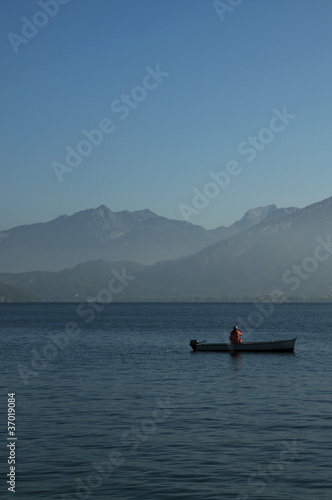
267	346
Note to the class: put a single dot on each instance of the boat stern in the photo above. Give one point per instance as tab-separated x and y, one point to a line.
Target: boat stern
193	344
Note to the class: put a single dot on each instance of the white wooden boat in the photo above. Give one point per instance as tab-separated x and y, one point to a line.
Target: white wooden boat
267	346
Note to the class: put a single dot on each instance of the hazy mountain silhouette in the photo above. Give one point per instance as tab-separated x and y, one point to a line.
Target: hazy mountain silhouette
85	282
251	264
12	294
93	234
292	253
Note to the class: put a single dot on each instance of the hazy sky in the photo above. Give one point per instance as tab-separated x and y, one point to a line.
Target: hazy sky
177	91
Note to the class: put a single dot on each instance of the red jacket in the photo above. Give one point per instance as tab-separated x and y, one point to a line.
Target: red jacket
235	337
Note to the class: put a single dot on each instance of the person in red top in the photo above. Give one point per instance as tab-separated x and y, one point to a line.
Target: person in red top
235	336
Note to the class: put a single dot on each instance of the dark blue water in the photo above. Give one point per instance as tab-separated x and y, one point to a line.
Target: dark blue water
120	408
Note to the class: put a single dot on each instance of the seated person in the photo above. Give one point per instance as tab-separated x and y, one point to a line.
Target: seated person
235	336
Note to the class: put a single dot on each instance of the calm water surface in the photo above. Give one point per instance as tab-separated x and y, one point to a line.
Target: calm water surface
123	409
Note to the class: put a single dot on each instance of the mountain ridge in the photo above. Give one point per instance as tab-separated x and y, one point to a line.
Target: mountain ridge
93	234
251	263
289	254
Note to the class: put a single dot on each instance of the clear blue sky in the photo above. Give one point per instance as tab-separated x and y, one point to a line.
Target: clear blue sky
225	78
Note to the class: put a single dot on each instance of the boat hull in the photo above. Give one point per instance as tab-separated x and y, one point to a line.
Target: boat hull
272	346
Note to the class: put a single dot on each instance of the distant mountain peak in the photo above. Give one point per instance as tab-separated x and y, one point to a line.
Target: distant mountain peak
256	215
141	215
253	217
138	215
103	209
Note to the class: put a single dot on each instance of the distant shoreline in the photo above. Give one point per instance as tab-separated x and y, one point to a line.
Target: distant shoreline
152	302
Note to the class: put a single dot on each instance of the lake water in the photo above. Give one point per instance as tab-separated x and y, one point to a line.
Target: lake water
119	407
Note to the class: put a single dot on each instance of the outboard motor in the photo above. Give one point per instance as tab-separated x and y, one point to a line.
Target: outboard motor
193	344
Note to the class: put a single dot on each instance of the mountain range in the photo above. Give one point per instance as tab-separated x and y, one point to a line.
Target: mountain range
94	234
291	254
270	249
